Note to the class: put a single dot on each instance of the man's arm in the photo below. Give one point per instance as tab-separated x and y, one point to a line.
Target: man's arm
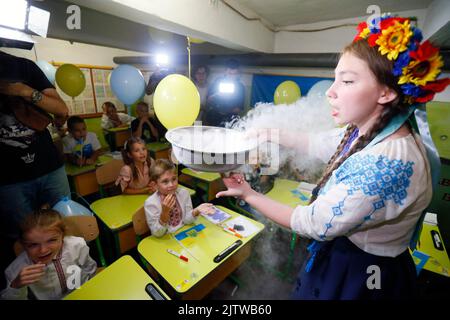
50	102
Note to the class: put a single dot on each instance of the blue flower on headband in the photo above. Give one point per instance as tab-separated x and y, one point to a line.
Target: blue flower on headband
411	90
417	36
401	62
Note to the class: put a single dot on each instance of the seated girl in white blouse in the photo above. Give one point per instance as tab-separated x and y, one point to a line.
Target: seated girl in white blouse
52	264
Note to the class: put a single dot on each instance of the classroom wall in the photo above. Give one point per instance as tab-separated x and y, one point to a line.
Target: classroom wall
332	40
78	53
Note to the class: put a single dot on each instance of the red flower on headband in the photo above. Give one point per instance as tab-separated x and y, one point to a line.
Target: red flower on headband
432	88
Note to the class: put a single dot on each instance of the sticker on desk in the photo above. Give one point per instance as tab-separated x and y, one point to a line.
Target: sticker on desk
242	226
218	216
187	237
420	259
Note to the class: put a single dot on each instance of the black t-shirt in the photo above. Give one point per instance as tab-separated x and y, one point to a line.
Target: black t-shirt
146	135
26	154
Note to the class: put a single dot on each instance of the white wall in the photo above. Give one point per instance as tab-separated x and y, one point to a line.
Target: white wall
333	40
438	14
77	53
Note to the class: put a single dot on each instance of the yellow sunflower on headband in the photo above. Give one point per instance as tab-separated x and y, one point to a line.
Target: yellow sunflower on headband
394	39
425	65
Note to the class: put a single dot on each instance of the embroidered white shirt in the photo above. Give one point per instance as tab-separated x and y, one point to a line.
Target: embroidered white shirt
74	252
375	197
153	211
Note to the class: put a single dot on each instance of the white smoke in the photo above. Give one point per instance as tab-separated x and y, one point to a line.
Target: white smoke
309	114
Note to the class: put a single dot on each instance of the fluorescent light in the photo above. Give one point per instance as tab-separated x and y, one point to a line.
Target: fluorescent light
13	13
226	87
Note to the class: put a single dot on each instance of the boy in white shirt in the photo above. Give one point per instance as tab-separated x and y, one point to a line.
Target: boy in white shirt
79	146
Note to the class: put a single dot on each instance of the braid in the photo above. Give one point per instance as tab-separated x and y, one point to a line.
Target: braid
360	144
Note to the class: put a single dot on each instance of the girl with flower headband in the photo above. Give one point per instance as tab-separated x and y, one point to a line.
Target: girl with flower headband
134	177
365	208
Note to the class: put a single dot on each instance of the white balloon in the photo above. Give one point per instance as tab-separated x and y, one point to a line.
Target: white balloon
48	69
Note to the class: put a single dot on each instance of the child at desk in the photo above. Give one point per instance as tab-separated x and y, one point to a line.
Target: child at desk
113	119
46	265
134	177
170	207
143	127
80	147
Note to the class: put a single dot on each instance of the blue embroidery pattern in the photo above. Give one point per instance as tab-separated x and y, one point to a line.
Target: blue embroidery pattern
374	176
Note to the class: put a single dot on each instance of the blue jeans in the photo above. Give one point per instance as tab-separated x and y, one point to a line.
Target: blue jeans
19	199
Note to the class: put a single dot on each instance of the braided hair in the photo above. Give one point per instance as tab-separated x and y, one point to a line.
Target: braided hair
382	69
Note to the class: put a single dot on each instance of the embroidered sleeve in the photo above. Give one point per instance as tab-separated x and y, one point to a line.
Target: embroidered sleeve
85	262
365	191
124	177
152	215
11	273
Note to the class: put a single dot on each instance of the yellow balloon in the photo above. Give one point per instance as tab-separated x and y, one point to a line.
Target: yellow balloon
176	101
195	40
287	92
70	80
109	78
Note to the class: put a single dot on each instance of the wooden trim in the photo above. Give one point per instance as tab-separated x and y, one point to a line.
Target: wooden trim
88	66
89	115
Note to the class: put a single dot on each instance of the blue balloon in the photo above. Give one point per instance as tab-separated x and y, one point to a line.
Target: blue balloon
320	88
127	83
68	208
48	70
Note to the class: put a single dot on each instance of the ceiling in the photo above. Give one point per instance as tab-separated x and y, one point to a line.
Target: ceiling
281	13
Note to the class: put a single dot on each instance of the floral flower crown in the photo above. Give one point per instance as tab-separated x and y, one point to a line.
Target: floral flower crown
416	65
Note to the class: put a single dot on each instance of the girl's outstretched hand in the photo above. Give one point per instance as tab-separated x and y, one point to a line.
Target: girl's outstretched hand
236	186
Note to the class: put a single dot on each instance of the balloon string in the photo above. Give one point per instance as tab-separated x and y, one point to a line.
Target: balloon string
189	57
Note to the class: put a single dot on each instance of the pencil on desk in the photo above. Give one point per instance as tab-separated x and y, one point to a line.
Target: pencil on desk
231	231
180	256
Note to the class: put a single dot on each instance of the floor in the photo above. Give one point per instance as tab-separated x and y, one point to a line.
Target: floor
267	273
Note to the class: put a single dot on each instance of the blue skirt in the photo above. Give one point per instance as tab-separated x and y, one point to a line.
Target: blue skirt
342	271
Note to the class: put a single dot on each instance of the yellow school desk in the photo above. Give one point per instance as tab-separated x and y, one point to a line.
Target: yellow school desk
117	214
120	135
210	182
122	280
82	180
431	253
194	279
159	150
282	192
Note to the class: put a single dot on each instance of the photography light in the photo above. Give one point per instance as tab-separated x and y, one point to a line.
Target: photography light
13	14
226	87
18	20
161	59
